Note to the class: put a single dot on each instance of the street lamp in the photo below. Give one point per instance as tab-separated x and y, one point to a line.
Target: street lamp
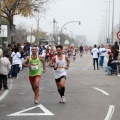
72	36
68	23
108	2
66	33
105	26
38	19
113	22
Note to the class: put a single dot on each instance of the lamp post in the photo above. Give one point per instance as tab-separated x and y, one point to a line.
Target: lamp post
102	34
108	2
68	23
38	19
107	22
66	33
112	23
72	36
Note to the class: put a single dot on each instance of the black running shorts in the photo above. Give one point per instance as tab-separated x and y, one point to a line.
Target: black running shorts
59	79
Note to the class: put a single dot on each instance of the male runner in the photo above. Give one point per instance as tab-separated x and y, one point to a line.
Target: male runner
34	64
60	63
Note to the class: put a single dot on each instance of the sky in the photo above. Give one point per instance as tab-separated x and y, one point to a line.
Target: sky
91	14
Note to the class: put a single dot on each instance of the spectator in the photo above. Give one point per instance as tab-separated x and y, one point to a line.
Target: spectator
115	50
81	50
15	62
1	51
4	70
7	49
95	55
102	51
111	65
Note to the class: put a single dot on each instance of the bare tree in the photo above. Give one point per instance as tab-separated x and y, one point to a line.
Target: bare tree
9	8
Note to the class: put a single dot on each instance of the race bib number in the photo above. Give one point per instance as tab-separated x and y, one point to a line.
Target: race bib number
60	69
34	67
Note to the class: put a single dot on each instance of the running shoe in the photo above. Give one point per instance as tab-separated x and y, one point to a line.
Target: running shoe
60	100
36	101
63	99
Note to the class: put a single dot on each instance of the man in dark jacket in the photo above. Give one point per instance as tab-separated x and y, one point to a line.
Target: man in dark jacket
81	50
111	66
7	49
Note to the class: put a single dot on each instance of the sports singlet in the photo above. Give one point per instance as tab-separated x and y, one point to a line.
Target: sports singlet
60	71
35	67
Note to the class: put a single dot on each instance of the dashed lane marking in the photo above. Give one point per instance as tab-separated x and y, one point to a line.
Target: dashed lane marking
105	93
110	112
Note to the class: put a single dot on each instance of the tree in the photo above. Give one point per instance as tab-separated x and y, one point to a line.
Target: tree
9	8
21	34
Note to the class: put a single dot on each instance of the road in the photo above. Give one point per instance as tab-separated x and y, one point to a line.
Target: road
90	95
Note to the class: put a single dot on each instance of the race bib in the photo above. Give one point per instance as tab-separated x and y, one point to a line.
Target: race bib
34	67
60	69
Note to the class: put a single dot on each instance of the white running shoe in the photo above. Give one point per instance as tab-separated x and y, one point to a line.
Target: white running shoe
36	101
63	99
60	100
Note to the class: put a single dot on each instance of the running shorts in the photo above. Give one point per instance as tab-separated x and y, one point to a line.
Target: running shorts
59	79
31	78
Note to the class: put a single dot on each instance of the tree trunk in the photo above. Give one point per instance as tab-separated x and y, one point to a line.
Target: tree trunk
10	23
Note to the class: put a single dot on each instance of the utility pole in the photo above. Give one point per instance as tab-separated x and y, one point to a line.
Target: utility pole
54	25
113	23
0	23
109	20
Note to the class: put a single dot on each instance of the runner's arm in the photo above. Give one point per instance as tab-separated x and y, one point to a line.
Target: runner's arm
26	61
68	61
51	64
43	62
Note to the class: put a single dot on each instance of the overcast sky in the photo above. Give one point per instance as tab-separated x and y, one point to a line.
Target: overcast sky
89	12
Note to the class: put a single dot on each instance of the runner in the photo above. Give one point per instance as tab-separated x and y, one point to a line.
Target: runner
35	71
59	63
81	50
74	53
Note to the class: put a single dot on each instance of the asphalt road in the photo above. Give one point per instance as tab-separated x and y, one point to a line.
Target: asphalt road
90	95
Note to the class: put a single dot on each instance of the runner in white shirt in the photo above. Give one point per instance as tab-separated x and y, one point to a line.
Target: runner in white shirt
95	53
102	51
15	62
60	63
44	53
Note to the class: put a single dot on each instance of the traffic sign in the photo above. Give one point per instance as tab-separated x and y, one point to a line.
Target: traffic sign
118	35
31	38
3	31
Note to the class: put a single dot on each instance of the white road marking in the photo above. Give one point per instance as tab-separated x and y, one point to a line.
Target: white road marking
6	92
105	93
110	112
21	113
